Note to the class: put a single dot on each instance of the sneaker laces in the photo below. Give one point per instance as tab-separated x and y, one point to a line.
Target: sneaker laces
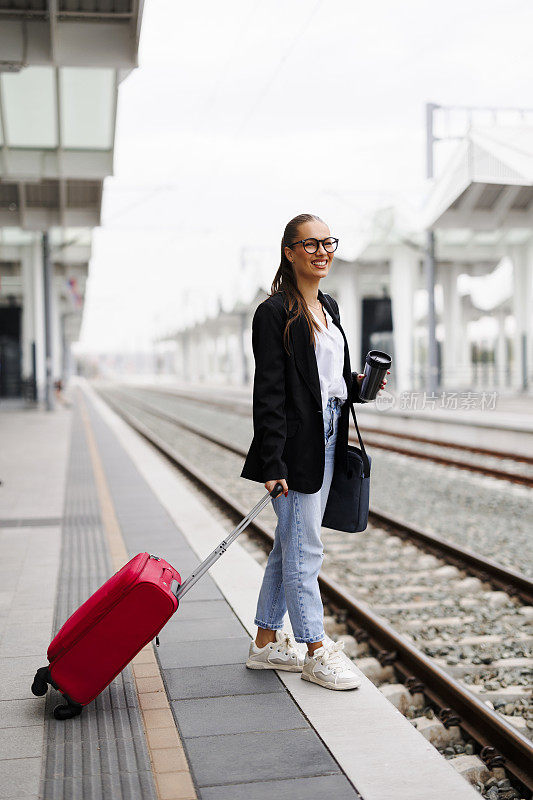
333	656
288	642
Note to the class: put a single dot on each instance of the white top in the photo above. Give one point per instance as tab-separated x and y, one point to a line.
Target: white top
329	351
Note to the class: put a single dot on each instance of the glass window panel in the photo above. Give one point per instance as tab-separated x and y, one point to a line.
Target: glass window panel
30	107
87	107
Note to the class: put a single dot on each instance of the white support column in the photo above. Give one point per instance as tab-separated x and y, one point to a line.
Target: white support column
196	356
193	373
226	356
56	325
28	309
211	371
215	351
349	299
501	351
246	350
404	271
219	357
242	351
453	353
188	355
220	350
465	350
35	257
521	257
205	355
211	345
234	373
178	361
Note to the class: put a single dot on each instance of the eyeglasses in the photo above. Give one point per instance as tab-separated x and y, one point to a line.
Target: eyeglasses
311	245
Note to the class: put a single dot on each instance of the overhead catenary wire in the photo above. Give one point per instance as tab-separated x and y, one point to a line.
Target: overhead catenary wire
240	128
258	99
210	102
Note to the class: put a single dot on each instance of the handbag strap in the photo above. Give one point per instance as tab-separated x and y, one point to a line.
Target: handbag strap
366	464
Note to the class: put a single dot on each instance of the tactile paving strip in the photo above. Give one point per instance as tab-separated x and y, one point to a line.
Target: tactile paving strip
101	755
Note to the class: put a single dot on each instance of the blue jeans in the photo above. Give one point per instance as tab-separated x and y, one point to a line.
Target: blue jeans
291	574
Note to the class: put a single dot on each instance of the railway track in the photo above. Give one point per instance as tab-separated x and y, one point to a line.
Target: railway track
451	650
507	466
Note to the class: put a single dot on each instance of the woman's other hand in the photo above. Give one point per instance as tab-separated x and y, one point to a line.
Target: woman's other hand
360	381
269	485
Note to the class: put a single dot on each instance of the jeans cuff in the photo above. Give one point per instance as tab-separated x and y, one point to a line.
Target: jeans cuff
310	640
267	625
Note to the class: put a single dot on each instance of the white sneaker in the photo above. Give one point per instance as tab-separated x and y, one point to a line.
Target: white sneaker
281	654
329	667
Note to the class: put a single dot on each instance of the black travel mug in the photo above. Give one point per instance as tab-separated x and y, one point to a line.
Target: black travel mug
376	366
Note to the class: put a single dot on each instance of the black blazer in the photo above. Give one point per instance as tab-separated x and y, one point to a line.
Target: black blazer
288	437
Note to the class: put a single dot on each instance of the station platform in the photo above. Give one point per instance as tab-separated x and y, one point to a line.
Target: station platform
82	493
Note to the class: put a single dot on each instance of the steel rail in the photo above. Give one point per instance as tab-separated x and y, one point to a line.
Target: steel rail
453	445
501	474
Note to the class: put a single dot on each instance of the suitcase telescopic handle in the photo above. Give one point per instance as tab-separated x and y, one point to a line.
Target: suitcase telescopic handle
202	568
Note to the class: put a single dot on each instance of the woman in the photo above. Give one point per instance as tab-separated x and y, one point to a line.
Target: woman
302	380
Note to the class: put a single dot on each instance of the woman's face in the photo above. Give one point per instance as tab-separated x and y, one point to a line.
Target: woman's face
310	265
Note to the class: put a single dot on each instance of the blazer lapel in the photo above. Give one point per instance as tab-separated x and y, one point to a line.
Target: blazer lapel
304	357
304	353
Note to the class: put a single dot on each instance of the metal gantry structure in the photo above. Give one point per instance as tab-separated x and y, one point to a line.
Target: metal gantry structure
505	190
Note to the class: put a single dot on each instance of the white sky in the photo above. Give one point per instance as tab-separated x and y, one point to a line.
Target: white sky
243	114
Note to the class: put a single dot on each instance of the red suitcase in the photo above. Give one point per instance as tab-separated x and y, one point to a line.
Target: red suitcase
107	631
117	621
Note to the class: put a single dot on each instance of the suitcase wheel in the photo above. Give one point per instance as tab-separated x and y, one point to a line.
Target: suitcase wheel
67	711
40	682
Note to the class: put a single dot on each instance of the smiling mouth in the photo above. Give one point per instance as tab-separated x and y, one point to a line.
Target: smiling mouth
320	264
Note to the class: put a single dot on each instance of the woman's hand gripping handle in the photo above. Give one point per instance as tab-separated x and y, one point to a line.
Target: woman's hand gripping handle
277	487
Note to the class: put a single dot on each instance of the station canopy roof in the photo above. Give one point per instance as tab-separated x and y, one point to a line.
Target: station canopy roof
84	33
487	184
61	62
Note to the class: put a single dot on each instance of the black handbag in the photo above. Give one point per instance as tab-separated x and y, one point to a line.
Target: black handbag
349	495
